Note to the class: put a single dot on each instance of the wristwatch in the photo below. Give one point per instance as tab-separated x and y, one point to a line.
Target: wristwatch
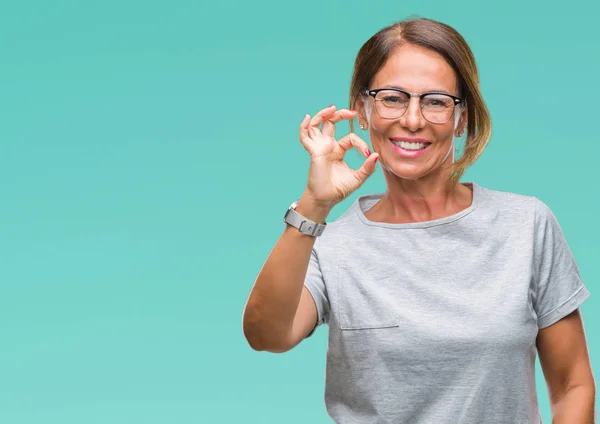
303	224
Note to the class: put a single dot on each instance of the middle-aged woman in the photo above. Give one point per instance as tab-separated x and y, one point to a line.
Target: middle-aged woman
437	293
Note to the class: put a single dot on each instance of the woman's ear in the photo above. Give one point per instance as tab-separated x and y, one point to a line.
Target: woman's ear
461	127
359	106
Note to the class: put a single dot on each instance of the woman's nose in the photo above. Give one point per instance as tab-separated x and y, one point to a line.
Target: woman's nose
413	118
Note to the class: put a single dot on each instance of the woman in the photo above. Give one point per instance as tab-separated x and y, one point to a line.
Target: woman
437	293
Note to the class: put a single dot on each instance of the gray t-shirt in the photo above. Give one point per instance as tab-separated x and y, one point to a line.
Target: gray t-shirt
436	322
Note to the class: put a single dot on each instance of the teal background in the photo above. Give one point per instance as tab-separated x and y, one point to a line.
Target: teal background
148	152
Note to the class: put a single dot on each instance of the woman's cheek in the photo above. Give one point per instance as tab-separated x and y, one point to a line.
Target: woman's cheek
378	132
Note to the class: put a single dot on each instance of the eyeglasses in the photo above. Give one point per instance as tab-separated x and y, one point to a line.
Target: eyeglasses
392	103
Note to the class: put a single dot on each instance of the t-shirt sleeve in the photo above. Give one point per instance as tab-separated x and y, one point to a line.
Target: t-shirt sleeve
559	289
315	284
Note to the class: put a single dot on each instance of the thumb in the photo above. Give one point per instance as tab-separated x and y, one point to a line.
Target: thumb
367	168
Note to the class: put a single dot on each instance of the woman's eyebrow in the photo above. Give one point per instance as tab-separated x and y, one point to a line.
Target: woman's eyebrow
428	91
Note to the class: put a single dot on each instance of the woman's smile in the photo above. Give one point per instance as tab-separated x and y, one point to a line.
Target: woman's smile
409	147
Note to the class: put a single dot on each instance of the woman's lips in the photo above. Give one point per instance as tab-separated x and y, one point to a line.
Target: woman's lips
410	139
408	153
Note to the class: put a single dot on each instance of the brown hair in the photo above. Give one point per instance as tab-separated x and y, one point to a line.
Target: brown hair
446	41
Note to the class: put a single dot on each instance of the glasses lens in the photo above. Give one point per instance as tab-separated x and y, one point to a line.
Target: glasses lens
391	104
437	108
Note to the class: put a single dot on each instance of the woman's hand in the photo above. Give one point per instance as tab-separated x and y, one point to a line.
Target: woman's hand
330	179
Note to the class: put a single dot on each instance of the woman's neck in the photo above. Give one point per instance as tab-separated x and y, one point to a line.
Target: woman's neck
407	201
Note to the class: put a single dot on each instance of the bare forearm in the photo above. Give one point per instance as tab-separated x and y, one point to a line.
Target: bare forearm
276	293
576	406
274	299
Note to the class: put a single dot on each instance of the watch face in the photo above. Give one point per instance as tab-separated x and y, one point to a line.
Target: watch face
292	206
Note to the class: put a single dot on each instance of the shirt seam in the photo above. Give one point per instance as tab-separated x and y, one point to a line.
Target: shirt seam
542	317
422	225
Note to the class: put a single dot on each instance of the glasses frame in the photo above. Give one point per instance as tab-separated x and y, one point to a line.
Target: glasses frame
373	93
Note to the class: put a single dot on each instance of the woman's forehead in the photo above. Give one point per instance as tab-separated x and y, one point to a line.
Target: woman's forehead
416	69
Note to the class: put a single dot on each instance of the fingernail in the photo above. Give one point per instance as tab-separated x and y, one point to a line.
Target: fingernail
368	152
331	105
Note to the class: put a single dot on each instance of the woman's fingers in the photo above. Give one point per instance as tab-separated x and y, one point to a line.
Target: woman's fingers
367	169
329	125
328	117
303	135
343	114
351	140
318	119
321	115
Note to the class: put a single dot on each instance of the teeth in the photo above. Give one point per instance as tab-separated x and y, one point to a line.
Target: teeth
409	146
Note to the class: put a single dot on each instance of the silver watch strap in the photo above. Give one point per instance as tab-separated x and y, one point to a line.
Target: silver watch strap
303	224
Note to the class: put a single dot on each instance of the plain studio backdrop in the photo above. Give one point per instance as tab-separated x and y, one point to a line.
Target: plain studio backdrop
148	152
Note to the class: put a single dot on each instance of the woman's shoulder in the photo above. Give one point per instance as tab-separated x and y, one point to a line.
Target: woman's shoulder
522	206
346	211
504	199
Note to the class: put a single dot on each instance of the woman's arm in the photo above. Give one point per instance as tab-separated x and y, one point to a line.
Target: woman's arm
566	365
280	313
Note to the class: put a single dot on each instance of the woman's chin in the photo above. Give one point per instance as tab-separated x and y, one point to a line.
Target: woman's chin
414	170
407	171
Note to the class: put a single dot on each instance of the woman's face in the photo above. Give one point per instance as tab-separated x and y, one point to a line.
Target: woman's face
416	70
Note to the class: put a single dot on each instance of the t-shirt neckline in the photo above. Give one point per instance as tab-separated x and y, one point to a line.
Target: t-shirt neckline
366	202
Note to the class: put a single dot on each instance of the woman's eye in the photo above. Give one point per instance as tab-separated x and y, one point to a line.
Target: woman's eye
393	99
